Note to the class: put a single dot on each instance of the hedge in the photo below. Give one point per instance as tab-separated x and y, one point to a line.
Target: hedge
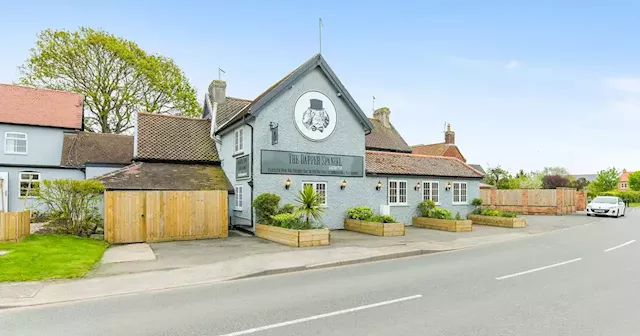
630	196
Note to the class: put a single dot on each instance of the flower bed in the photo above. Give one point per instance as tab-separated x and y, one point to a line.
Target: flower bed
291	237
374	228
509	222
432	217
451	225
361	219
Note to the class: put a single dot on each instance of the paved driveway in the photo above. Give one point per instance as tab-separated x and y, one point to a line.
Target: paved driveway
180	254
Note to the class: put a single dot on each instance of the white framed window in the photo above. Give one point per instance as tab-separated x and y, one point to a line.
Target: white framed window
431	191
29	184
15	143
238	197
238	140
320	188
460	193
397	192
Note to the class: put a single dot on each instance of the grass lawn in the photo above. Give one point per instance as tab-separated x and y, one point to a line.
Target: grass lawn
39	257
634	205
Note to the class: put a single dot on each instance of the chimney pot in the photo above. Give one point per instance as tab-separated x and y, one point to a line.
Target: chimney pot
449	136
218	91
382	114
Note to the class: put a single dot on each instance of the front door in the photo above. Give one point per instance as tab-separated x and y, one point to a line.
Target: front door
4	191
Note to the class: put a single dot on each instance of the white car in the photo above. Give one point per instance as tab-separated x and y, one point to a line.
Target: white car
606	206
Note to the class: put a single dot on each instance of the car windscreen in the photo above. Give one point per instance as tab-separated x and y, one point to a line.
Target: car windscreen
609	200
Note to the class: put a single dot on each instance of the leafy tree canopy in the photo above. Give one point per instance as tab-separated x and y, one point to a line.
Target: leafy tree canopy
634	181
580	183
555	181
555	171
116	77
607	180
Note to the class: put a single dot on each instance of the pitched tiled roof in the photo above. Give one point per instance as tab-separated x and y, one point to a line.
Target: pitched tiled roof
163	137
166	176
245	110
411	164
41	107
385	138
231	108
624	177
478	168
437	149
82	147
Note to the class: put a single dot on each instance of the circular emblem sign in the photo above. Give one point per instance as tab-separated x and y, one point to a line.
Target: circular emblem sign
315	116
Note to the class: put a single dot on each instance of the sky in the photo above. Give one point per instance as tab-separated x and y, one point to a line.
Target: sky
524	84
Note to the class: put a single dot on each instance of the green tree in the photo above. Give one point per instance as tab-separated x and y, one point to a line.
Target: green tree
607	180
580	183
555	171
634	181
116	77
498	177
532	180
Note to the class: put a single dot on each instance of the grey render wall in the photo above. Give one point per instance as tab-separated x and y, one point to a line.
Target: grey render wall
347	139
92	171
44	145
403	213
228	158
15	202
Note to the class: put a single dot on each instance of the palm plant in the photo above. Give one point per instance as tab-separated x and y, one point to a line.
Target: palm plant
309	205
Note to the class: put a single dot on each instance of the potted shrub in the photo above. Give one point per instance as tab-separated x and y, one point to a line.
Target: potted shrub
495	217
361	219
432	217
294	225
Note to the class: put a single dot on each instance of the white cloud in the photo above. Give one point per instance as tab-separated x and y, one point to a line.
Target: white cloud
512	64
624	84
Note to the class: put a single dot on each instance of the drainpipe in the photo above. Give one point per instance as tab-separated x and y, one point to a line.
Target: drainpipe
251	180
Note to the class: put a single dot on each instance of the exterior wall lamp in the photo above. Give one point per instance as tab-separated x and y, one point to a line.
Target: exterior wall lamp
379	185
448	186
343	184
287	184
417	187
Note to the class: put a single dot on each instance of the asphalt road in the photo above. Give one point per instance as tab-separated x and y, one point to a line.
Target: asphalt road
562	283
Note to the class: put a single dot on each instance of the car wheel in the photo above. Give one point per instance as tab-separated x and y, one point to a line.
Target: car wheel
589	214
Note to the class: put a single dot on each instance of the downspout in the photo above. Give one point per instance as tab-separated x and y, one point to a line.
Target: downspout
250	183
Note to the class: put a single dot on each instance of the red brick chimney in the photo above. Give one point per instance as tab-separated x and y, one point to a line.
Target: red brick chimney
449	136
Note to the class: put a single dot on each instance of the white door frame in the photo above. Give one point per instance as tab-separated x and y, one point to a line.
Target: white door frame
4	177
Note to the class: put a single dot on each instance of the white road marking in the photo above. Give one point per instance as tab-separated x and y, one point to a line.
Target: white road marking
538	269
621	245
315	317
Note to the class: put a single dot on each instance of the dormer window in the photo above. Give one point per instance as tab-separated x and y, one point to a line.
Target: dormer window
15	143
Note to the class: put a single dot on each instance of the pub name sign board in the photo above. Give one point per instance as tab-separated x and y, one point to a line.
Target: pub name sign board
301	163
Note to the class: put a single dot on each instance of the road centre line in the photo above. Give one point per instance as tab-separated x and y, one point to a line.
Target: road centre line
538	269
315	317
621	245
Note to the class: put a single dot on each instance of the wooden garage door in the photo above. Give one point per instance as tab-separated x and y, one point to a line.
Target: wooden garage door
151	216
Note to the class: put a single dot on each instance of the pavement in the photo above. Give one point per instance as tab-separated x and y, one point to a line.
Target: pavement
579	281
187	263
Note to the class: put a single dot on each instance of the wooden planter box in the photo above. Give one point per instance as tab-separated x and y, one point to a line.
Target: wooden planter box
516	222
295	238
451	225
374	228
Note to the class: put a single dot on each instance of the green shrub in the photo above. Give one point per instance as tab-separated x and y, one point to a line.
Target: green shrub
265	206
382	219
441	213
498	213
72	206
290	221
458	217
360	212
476	202
287	208
629	196
426	207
